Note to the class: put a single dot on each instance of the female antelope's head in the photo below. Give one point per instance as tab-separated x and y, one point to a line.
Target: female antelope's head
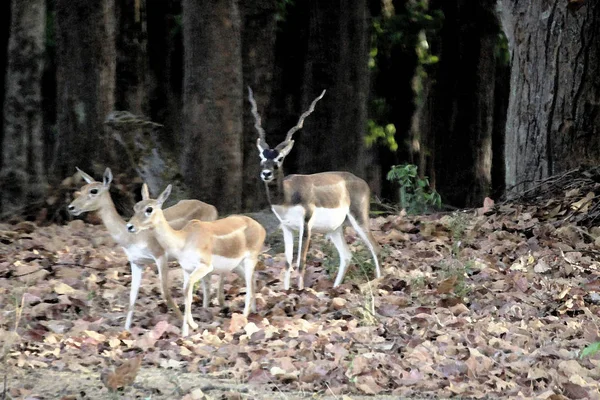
271	160
90	196
147	211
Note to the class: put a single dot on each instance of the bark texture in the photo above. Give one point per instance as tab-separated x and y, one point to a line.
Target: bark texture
212	102
553	121
337	60
85	78
23	176
258	53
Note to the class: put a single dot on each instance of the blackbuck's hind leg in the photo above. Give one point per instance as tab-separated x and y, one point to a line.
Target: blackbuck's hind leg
206	291
362	228
136	280
303	244
163	275
248	264
199	272
338	240
221	295
288	241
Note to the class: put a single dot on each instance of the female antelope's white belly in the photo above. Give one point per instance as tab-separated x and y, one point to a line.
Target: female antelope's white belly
324	219
138	254
225	264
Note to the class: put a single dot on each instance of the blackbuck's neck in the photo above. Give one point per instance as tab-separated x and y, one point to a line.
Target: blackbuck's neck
114	223
275	193
170	239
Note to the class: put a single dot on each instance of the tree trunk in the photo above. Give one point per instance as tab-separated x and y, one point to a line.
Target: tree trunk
131	69
212	102
258	53
85	78
553	121
23	176
337	60
165	78
462	102
4	35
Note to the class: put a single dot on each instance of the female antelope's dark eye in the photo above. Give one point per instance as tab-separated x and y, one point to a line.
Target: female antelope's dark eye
94	191
148	210
275	166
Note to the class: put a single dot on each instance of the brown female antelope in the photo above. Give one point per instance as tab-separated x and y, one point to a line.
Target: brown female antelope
221	246
313	203
140	249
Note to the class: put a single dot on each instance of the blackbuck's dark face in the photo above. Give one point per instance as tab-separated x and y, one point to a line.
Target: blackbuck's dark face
271	160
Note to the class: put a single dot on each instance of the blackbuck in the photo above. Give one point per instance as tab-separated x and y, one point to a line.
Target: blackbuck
319	202
201	248
144	248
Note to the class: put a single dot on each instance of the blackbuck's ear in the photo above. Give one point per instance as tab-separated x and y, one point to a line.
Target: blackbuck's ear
164	195
145	192
108	177
261	146
85	176
284	148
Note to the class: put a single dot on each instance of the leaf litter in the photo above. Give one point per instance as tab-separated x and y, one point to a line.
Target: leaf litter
497	302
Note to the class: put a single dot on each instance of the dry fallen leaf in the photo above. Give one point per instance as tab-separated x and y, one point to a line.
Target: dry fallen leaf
123	375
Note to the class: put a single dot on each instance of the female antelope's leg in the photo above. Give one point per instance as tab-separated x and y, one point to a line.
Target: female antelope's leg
200	272
364	232
338	240
163	275
221	296
288	240
136	280
206	291
249	263
303	243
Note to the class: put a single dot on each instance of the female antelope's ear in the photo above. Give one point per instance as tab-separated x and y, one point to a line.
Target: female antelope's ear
164	195
145	192
85	176
108	177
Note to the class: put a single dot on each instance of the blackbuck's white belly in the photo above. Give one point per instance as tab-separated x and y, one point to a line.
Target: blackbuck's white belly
323	220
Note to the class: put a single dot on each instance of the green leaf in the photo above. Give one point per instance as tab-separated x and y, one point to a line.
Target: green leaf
590	350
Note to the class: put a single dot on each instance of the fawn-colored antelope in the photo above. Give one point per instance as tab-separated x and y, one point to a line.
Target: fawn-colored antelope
201	248
313	203
140	249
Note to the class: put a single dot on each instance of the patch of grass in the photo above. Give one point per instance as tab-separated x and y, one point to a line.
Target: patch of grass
458	225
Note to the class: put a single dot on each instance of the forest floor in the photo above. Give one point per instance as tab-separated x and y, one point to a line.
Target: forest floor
491	303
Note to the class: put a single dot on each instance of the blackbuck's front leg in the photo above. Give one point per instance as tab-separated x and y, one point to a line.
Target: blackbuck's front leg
136	281
303	244
163	274
338	240
288	240
198	273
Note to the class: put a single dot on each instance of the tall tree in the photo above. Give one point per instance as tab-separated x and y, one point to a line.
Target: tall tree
553	121
23	176
258	54
212	102
337	59
85	78
132	66
165	75
461	102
